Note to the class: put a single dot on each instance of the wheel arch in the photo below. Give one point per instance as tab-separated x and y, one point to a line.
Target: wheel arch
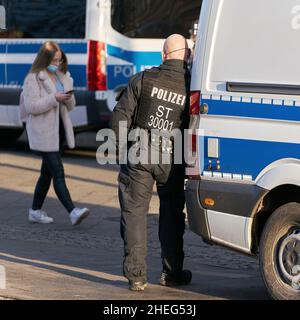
272	200
280	172
281	179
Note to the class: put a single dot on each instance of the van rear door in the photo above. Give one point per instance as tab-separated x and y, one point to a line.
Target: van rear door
195	155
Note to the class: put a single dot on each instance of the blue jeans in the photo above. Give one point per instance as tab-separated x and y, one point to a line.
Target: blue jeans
52	168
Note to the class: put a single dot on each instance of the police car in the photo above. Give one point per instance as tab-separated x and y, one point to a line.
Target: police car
243	188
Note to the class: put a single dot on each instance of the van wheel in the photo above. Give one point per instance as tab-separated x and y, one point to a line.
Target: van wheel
9	136
280	253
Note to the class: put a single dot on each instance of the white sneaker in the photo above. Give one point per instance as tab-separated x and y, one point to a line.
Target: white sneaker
77	215
39	216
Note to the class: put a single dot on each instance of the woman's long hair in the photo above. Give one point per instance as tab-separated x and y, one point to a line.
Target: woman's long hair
46	55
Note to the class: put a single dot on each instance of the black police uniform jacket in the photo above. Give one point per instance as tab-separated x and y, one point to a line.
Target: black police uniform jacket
155	99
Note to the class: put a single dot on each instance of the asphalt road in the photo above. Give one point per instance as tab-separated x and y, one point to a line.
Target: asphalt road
59	261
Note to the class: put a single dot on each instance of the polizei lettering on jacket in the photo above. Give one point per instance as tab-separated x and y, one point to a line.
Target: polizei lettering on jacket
164	117
168	96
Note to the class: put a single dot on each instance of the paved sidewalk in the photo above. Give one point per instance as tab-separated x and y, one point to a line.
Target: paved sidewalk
59	261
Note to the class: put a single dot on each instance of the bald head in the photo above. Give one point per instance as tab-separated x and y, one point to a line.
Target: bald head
174	48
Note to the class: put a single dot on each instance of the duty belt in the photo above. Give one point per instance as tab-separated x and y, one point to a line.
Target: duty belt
164	143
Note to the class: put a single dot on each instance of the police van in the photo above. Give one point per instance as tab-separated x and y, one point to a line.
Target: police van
106	42
72	25
28	24
130	35
243	187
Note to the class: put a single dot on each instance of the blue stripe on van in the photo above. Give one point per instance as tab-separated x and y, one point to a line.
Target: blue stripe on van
119	75
138	58
16	74
74	47
2	48
79	74
2	74
34	47
23	48
253	110
250	157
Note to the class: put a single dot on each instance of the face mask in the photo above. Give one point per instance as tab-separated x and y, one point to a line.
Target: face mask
52	68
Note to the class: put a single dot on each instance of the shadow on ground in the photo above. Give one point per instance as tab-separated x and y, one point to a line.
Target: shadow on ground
94	249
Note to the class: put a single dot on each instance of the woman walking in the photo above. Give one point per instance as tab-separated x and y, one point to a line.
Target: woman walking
48	98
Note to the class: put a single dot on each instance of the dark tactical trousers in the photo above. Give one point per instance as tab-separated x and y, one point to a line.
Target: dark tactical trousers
135	191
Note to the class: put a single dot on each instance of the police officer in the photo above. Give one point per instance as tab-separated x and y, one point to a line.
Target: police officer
155	99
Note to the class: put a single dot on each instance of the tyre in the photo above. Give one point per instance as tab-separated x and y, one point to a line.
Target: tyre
280	253
9	136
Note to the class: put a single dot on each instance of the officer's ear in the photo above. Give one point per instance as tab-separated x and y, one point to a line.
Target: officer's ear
163	56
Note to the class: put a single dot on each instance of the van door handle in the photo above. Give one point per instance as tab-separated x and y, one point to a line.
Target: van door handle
204	108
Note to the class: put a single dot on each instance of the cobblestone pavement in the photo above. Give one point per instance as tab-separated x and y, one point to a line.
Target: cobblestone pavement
59	261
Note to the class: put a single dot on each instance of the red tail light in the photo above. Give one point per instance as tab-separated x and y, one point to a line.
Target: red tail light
195	103
192	168
97	66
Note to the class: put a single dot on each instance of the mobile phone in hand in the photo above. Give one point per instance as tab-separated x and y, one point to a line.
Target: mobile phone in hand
69	92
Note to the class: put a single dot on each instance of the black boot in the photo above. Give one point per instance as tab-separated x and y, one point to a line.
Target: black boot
180	278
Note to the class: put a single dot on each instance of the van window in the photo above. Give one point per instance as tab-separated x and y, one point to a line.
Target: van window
44	19
154	18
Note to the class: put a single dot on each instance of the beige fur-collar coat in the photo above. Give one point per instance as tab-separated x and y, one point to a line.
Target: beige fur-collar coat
43	111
